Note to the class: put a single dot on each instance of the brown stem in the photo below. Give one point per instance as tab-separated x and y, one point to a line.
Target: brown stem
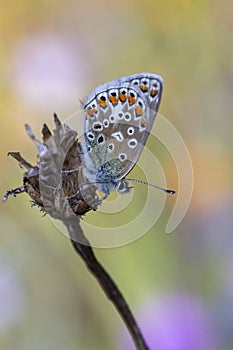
107	284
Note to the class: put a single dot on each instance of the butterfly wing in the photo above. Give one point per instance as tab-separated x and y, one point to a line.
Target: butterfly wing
118	117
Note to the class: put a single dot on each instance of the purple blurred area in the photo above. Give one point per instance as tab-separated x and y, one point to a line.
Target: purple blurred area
175	322
44	69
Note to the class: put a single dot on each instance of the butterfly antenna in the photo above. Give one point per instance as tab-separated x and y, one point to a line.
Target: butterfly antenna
152	185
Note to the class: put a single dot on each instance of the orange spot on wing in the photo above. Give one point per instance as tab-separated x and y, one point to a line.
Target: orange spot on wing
153	93
139	111
102	103
143	123
113	100
122	97
144	88
131	100
91	111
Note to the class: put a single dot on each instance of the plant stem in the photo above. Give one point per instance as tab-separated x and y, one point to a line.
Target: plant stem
107	284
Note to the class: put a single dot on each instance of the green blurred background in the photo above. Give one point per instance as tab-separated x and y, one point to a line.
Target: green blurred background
51	55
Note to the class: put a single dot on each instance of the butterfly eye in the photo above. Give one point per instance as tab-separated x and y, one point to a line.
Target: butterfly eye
123	187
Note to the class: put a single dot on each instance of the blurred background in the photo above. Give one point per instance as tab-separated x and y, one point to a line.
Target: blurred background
180	286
